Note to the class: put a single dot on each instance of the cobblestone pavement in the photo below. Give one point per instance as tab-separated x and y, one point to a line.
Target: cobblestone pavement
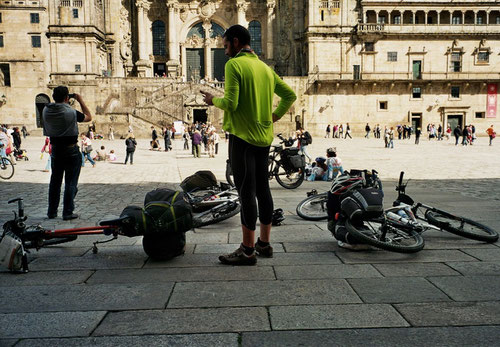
310	293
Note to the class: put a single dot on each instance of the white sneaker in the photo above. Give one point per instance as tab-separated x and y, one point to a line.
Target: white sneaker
354	247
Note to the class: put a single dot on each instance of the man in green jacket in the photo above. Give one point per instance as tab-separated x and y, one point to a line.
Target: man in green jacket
250	86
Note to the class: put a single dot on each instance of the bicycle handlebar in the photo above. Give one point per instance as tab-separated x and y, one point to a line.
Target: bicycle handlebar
20	206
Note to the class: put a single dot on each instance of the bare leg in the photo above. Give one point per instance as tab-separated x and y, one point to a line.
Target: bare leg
248	237
265	232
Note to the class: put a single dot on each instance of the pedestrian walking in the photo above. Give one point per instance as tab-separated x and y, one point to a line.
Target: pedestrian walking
465	135
86	150
196	143
348	131
491	133
367	129
457	133
24	131
60	124
186	138
328	131
390	143
304	139
249	118
167	138
47	149
418	132
111	134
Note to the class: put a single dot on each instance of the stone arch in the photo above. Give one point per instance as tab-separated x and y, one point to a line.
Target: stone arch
40	101
190	23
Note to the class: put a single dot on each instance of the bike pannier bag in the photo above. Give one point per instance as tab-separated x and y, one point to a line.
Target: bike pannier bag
133	226
11	252
286	158
167	211
164	246
363	204
203	179
298	161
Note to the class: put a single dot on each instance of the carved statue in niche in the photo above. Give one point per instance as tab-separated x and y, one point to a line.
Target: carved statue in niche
183	13
228	13
206	9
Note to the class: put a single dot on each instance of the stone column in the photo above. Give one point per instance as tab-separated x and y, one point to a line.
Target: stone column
270	29
242	6
207	50
426	13
487	17
463	18
438	17
413	14
143	64
173	43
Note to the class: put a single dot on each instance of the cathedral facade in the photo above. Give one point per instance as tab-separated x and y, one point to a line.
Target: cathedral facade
143	62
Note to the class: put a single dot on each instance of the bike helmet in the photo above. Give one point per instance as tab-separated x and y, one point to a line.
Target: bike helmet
278	217
344	183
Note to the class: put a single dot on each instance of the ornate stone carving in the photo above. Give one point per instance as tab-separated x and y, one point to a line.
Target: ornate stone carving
172	3
183	14
145	4
125	36
206	9
228	13
242	6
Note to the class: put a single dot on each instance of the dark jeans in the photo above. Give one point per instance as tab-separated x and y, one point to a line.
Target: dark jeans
67	162
131	156
250	171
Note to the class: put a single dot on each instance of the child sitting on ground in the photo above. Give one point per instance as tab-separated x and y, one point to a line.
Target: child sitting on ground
318	170
112	155
333	163
101	154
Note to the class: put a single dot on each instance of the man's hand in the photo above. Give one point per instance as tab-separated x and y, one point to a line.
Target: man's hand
207	97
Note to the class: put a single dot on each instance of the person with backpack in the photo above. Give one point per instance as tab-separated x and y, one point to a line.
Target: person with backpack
491	133
304	139
130	143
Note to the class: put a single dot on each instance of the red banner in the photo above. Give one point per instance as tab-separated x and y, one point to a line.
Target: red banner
491	101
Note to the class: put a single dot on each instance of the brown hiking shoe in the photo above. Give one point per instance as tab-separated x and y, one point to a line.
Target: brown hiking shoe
238	257
264	251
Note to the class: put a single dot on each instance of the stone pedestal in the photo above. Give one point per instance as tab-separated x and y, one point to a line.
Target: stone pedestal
143	68
172	68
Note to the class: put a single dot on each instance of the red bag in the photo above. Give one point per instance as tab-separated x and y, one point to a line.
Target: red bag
8	151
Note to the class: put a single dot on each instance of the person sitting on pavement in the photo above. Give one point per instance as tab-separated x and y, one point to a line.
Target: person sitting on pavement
334	164
101	154
319	169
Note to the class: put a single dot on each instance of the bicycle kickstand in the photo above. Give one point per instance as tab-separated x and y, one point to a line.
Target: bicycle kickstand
94	247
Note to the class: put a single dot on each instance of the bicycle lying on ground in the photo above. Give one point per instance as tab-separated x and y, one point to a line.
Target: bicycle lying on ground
6	168
401	226
314	206
209	207
285	164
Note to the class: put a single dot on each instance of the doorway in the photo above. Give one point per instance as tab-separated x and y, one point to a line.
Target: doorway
416	121
195	59
159	69
40	101
200	115
454	120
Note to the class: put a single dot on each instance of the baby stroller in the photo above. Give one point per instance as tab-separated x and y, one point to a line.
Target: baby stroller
20	154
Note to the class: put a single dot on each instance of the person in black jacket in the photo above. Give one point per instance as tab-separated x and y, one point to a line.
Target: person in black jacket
457	133
131	144
418	132
465	134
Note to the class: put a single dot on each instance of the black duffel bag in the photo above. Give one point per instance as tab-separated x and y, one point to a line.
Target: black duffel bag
363	204
291	159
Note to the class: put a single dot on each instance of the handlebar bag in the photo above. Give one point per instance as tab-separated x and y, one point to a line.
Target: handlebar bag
363	204
166	211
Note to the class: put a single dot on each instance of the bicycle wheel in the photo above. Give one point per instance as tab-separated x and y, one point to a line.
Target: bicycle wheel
216	214
288	179
395	239
229	173
461	226
313	207
6	168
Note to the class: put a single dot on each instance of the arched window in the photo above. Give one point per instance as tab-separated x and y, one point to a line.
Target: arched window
197	30
159	46
255	36
216	30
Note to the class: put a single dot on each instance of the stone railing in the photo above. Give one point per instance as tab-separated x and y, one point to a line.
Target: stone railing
370	28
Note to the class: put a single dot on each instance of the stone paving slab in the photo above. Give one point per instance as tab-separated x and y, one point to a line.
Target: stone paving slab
85	297
43	278
451	313
194	274
485	254
261	293
229	248
58	251
415	270
309	233
207	238
7	342
325	271
469	288
303	247
396	289
480	268
55	324
300	258
106	258
424	256
334	316
181	321
476	336
195	340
